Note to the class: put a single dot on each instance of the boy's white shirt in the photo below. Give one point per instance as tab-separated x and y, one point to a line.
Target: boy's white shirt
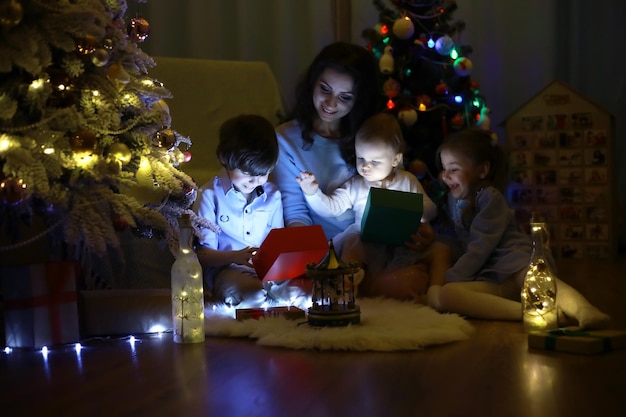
243	224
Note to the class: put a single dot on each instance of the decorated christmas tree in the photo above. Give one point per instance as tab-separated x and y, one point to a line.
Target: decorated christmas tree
86	142
426	75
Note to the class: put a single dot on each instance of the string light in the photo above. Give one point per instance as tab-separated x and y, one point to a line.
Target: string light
37	84
6	142
47	149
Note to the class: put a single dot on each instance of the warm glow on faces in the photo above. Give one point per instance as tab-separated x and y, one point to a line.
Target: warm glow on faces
375	160
333	95
460	174
244	182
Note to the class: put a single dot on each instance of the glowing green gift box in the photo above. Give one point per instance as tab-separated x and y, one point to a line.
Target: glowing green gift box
391	216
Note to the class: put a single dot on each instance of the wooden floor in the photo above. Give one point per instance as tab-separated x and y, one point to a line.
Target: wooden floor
492	374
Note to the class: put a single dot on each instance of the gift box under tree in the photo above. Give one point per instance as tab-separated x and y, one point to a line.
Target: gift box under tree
40	307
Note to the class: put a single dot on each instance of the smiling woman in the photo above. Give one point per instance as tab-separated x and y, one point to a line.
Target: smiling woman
336	94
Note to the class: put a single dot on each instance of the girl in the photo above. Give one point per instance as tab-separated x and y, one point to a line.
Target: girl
490	253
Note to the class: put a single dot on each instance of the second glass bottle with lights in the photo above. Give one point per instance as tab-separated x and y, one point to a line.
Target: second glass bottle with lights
538	297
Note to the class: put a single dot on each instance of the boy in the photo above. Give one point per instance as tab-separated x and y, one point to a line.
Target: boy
244	205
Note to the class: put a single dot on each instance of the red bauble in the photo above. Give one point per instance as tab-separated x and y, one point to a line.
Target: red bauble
138	29
119	224
12	190
457	121
441	89
187	156
59	79
391	87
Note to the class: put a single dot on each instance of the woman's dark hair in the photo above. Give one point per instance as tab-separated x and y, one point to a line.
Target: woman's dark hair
248	142
355	61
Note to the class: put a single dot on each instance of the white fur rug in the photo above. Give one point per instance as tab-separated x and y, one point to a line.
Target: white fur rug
386	325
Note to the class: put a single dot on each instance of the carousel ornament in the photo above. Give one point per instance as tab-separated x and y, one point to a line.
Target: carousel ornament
334	292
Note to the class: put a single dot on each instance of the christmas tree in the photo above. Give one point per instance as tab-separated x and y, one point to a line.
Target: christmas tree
86	141
426	75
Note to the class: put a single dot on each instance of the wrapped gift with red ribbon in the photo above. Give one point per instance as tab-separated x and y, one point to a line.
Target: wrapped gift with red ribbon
40	307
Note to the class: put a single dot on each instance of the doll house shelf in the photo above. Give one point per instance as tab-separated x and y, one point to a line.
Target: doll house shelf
561	149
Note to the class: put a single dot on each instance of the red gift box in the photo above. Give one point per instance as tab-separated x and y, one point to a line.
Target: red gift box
288	312
40	307
285	253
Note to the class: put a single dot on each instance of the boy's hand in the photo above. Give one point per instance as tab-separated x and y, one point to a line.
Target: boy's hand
243	256
308	183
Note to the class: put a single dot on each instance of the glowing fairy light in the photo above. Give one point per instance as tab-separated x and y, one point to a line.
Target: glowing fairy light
157	328
37	84
6	142
47	149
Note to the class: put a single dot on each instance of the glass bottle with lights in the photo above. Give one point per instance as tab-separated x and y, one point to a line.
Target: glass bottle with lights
187	289
538	295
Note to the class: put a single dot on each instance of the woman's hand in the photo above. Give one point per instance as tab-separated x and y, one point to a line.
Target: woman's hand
421	239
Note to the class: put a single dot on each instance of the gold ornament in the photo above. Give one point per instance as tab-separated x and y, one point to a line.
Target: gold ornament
165	138
100	57
87	45
117	73
120	152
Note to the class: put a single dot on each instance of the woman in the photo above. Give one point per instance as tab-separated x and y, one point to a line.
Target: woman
340	89
338	92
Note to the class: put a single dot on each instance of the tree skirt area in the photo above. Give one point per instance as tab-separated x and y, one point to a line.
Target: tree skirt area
386	325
